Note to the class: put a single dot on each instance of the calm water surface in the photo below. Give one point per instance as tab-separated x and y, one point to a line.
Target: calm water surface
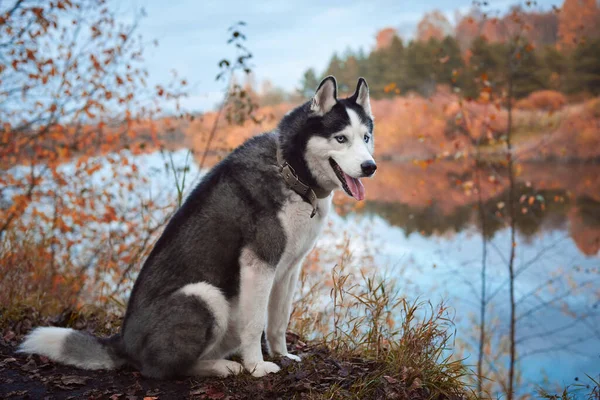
426	224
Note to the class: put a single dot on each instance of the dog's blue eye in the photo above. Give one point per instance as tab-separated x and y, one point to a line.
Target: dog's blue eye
341	139
366	138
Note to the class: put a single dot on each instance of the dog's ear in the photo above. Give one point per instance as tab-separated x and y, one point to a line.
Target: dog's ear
361	96
326	96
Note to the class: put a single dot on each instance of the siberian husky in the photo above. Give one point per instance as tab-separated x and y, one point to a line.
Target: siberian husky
226	266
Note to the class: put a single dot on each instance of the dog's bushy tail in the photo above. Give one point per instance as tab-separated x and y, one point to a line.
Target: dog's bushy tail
71	347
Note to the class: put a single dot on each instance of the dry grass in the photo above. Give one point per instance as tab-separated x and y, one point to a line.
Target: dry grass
364	315
589	390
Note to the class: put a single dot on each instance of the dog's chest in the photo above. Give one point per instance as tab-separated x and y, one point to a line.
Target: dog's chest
301	230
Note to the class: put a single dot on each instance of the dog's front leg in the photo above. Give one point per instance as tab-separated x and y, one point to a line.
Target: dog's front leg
280	308
256	280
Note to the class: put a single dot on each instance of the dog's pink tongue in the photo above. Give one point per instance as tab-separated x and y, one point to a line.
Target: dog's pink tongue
356	187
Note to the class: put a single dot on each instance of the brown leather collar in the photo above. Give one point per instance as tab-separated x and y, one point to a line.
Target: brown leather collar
308	194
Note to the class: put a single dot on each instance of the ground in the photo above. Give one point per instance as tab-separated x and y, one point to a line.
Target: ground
33	377
321	374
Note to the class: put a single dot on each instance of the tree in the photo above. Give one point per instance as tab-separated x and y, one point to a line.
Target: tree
384	38
73	88
420	60
544	28
555	67
528	74
309	83
362	60
395	66
486	66
349	73
585	76
376	66
335	66
578	20
449	62
468	28
434	25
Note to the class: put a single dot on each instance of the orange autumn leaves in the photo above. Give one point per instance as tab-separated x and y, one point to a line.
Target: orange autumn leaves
74	95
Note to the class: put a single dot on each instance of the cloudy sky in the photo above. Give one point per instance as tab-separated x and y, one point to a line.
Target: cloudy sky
286	37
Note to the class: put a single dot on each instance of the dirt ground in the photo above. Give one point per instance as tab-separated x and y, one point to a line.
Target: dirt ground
34	377
320	374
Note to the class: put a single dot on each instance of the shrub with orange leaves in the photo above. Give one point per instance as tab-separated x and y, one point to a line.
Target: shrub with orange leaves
546	100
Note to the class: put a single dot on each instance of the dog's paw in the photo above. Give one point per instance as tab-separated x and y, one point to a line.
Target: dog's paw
226	367
263	368
293	357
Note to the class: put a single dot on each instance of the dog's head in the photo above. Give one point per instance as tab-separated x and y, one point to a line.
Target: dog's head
339	150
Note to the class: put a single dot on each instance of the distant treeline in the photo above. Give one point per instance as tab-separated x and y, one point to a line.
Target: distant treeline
421	66
474	56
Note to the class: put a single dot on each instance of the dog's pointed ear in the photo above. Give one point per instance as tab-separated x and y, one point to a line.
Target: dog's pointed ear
325	97
361	96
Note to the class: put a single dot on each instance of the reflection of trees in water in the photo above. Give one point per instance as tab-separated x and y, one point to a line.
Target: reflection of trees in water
427	221
589	211
553	314
548	210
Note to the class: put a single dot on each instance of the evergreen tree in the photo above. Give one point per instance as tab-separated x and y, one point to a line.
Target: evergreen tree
585	76
350	72
362	60
487	66
375	69
395	68
420	59
555	67
335	67
449	63
528	75
309	83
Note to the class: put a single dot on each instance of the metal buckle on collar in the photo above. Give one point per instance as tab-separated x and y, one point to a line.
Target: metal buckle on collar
282	166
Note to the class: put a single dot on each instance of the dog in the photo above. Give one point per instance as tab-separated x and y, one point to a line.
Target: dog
225	268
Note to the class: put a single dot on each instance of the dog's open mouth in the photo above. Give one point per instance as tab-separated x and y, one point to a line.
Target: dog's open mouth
352	186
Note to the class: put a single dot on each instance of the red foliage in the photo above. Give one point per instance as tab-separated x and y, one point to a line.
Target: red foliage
434	25
578	20
547	100
75	81
539	28
384	37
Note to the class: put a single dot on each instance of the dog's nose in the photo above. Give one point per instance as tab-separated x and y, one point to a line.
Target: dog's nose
368	167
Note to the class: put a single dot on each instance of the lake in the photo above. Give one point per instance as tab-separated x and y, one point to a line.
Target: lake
426	221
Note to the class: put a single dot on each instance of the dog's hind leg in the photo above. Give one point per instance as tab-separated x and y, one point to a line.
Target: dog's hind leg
169	339
217	304
220	368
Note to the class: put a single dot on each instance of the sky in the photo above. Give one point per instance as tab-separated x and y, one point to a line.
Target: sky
285	37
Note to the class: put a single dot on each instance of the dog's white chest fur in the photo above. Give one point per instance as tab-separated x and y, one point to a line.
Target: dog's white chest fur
300	229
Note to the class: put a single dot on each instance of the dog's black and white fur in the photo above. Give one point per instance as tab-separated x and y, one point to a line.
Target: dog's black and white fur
227	263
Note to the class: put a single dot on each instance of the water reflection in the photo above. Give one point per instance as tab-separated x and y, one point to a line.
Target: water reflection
443	200
428	219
